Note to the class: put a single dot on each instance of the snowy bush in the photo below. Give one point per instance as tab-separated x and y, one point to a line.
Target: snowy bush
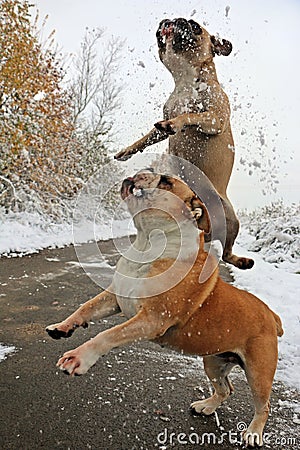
276	229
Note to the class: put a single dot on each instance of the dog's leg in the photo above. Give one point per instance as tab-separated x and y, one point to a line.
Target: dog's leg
209	122
217	370
151	138
260	366
103	305
143	326
232	229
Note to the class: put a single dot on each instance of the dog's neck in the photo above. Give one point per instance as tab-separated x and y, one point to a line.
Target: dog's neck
166	240
207	71
189	67
204	74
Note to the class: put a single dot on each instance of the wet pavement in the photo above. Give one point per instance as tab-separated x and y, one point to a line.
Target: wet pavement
136	397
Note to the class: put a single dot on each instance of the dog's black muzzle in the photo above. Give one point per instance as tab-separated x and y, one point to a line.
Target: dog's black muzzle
182	31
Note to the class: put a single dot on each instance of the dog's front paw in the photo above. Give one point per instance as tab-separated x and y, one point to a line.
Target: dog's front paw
125	154
166	126
77	361
63	329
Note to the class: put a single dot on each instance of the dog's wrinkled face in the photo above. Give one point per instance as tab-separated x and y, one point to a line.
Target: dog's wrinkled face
161	195
187	37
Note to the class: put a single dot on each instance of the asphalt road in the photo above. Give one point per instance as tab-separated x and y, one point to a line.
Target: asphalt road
136	397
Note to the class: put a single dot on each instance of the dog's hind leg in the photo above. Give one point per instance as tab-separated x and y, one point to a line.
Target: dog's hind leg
217	369
260	366
232	229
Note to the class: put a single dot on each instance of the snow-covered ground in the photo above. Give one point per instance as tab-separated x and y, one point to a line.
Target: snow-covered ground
279	289
25	233
5	350
271	236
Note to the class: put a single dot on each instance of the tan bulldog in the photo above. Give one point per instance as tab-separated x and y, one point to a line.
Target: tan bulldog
170	291
196	115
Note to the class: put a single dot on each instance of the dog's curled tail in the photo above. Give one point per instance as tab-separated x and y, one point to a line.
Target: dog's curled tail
278	325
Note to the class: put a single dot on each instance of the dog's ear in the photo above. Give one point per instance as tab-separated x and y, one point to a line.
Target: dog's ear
200	214
221	47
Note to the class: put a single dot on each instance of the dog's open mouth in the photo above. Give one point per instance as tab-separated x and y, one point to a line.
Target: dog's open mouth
128	188
143	182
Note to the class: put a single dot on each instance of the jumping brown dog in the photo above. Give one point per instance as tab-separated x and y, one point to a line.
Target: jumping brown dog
172	294
197	114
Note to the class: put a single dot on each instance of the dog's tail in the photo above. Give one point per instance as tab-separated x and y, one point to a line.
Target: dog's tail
278	325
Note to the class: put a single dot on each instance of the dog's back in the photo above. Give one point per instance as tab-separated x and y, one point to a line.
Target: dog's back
227	320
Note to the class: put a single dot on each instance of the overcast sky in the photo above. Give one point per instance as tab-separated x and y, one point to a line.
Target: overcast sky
261	77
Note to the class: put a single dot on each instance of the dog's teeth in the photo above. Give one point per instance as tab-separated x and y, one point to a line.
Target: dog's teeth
137	192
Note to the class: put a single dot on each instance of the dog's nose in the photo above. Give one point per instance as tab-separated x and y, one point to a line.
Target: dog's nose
167	27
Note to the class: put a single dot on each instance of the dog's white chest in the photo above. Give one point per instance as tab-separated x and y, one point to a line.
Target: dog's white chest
186	98
128	285
165	239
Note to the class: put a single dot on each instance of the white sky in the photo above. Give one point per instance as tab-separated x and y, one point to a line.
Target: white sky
261	77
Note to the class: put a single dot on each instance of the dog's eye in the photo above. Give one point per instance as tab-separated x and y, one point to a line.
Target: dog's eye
165	183
195	27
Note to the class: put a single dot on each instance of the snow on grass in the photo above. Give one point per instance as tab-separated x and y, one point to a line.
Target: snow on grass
275	232
25	233
275	279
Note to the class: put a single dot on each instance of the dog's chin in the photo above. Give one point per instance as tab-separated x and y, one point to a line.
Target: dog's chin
136	192
129	190
136	200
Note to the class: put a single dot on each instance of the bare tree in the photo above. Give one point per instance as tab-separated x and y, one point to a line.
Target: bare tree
96	95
